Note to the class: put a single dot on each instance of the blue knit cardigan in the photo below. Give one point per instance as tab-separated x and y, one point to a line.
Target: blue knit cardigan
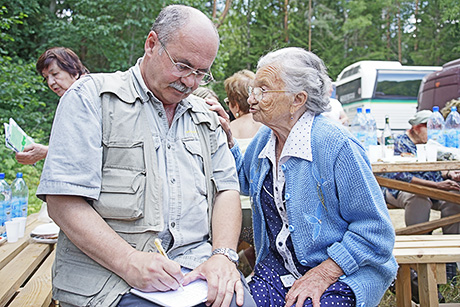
351	225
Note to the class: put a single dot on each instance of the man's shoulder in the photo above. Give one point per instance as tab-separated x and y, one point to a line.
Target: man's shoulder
200	112
120	83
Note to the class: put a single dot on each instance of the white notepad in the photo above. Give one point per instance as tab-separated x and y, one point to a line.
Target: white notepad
193	294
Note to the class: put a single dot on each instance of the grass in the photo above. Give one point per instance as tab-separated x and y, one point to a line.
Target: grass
450	292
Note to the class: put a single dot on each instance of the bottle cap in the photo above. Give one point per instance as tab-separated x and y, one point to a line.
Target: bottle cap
453	109
368	110
19	175
359	110
435	109
2	175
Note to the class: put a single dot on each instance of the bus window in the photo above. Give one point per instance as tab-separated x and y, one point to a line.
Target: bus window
398	85
349	92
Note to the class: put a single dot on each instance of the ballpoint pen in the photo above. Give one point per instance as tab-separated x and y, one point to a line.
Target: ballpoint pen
162	252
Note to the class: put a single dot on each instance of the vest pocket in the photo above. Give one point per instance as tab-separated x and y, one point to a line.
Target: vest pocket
122	194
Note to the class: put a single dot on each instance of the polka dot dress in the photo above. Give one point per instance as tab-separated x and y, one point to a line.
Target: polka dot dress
266	286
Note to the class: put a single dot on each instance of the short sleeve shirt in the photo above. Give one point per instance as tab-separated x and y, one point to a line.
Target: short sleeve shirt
74	162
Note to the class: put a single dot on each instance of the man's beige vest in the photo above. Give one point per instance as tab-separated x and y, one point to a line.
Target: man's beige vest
131	193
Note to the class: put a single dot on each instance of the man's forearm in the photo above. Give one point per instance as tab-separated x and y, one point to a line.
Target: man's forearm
89	232
226	220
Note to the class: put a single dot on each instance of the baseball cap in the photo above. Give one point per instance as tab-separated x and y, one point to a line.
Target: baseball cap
420	117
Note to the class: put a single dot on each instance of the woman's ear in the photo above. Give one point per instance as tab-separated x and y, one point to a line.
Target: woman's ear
300	100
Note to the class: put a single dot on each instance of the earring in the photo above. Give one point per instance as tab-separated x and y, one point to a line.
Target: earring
292	116
237	115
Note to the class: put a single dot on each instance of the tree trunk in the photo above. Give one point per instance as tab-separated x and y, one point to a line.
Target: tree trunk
286	33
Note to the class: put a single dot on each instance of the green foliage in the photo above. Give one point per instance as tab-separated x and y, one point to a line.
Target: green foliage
109	35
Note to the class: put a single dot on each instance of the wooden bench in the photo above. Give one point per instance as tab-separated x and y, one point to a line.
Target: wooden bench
25	270
428	254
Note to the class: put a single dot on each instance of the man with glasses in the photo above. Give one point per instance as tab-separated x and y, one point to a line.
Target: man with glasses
133	158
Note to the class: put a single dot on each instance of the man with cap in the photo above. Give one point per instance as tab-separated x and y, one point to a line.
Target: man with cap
417	207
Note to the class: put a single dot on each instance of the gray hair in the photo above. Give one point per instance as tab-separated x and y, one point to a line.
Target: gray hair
173	18
302	70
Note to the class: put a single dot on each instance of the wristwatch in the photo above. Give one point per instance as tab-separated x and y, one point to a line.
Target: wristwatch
230	253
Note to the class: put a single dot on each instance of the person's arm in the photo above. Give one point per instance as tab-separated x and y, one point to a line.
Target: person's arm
221	274
92	235
32	154
446	185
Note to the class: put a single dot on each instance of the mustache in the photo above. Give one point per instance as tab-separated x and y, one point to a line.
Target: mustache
181	87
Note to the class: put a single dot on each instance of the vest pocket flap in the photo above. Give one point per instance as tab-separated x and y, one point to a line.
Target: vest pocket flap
121	181
193	146
122	194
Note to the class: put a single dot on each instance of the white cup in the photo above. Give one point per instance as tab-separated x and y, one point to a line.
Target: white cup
421	152
431	153
22	225
12	231
375	153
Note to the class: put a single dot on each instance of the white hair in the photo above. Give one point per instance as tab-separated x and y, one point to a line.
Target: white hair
302	70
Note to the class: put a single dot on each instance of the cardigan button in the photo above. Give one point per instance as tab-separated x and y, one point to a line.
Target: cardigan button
287	196
291	228
303	262
283	167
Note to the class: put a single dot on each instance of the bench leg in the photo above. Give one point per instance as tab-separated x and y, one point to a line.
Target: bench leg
427	285
403	287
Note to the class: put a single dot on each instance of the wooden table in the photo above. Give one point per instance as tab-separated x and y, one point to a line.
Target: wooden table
25	270
452	197
389	167
428	254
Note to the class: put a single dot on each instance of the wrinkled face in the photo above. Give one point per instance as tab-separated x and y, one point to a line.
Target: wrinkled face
274	108
58	79
191	47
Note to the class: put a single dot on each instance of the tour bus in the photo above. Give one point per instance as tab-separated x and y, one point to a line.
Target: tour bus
385	87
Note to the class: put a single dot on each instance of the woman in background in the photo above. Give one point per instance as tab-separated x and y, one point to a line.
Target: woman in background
60	68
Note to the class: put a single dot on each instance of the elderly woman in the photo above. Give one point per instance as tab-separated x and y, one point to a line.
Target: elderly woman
322	231
60	68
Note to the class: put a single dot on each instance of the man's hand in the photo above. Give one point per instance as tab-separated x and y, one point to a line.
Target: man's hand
152	272
223	280
313	284
32	153
448	185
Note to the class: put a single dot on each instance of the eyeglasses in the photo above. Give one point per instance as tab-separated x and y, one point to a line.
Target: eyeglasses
183	70
259	92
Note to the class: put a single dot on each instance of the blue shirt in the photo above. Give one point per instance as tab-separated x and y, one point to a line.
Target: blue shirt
403	144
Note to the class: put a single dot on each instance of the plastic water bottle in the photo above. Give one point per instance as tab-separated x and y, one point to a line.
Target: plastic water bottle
358	126
388	141
19	196
371	125
435	126
452	128
5	204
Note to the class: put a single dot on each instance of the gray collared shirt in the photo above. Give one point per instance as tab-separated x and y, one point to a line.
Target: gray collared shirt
74	162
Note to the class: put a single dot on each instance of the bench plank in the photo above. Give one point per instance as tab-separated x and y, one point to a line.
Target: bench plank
14	274
426	227
427	244
38	290
447	237
429	255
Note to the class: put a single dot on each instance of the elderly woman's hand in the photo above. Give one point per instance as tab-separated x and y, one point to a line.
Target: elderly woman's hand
223	118
313	284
